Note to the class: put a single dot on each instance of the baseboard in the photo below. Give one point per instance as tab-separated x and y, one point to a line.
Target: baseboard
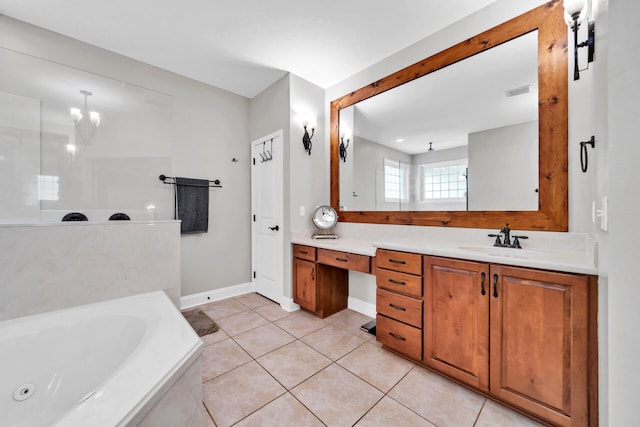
188	301
288	304
362	307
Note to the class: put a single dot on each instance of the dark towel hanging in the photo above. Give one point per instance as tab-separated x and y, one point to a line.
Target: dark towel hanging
192	205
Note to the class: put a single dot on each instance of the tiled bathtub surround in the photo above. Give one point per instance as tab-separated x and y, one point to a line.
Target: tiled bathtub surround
295	369
47	267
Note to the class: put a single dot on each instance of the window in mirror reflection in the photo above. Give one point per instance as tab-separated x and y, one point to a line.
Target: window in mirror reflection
396	181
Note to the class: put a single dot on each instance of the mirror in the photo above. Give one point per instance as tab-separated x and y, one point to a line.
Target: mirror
476	148
493	111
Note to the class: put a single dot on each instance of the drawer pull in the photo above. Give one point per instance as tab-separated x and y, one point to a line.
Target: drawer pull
397	308
495	287
396	282
398	337
304	252
342	259
482	277
395	261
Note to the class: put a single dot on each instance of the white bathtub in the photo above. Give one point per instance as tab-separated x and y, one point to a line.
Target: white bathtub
103	364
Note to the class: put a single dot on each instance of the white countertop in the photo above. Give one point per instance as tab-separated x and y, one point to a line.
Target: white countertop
569	261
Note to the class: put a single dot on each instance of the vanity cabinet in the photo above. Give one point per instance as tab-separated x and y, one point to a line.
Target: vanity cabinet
539	323
399	302
318	288
456	319
523	336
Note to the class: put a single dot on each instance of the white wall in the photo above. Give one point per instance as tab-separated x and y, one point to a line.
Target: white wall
623	148
503	168
208	127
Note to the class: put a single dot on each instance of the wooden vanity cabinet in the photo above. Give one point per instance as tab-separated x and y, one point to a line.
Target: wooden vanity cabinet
318	288
540	343
456	319
519	334
399	302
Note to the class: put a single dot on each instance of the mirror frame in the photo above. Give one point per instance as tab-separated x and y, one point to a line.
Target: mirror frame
553	210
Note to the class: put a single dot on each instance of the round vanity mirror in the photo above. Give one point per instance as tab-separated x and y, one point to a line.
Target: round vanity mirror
324	218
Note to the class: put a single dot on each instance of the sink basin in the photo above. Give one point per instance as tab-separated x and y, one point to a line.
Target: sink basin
504	252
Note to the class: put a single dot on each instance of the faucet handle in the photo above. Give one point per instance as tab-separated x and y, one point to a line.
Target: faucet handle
497	242
516	241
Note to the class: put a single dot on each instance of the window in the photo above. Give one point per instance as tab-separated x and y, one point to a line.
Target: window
48	188
446	180
396	181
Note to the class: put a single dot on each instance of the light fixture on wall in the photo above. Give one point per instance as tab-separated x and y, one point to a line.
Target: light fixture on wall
575	12
86	121
308	121
345	135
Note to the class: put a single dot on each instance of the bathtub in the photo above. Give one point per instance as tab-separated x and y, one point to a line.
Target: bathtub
121	362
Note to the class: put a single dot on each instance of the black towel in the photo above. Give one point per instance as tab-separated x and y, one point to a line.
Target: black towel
192	205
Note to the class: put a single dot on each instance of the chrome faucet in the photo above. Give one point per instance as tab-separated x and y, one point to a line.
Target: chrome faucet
506	242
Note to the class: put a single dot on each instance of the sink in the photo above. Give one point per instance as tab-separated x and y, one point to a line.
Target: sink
504	252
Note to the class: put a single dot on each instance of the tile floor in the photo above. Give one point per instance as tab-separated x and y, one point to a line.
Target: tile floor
268	367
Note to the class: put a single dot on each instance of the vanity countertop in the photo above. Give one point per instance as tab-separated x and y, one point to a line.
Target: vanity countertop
568	261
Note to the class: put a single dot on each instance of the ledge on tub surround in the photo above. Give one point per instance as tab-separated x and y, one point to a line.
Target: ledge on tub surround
568	252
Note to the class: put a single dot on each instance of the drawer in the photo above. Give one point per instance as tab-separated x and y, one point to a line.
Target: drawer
345	260
398	307
403	283
304	252
399	261
402	338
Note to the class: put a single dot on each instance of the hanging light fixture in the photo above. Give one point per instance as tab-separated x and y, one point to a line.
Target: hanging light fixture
430	147
86	121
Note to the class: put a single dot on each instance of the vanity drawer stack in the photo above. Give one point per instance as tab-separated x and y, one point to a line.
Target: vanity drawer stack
399	301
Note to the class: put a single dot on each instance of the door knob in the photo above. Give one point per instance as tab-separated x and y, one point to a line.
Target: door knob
274	228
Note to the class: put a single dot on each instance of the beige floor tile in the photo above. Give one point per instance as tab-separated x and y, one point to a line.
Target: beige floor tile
495	415
332	341
293	363
220	310
388	412
254	300
222	357
215	337
236	394
263	339
351	321
437	399
206	418
241	322
300	324
377	366
284	411
336	396
272	312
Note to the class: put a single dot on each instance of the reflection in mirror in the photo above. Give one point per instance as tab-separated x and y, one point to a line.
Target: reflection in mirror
464	137
51	165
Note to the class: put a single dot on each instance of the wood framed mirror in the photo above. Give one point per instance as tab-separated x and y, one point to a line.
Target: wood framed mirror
552	91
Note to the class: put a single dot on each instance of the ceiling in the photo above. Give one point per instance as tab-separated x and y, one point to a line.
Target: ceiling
244	46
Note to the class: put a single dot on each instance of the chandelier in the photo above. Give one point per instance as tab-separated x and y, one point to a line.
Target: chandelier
86	122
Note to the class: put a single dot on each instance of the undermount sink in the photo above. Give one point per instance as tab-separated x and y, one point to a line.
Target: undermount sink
504	252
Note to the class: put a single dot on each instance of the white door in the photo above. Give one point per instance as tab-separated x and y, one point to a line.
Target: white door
267	210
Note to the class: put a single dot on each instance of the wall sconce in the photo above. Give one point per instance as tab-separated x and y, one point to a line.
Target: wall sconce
575	11
345	134
308	121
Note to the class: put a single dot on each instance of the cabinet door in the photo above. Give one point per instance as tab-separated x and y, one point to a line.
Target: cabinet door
539	342
456	319
304	284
